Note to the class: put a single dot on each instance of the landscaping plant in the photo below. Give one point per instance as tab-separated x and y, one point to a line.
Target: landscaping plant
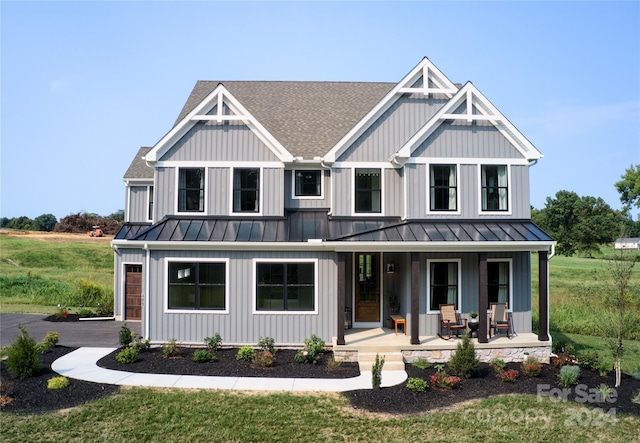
443	380
509	375
213	343
569	376
267	344
125	335
313	349
376	373
128	355
245	353
203	356
421	363
23	358
58	382
464	362
417	384
531	367
49	341
262	359
171	349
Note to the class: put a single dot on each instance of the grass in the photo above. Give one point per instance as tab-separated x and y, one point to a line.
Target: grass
143	414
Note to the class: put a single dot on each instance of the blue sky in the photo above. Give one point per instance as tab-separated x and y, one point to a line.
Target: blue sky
85	84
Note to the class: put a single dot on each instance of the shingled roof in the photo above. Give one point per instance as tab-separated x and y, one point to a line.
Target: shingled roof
139	168
307	118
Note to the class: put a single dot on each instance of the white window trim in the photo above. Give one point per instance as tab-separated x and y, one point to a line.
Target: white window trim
306	197
254	281
444	260
205	210
510	261
444	162
165	283
353	192
509	190
260	191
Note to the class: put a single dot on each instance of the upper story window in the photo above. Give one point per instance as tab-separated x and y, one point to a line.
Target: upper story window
444	283
194	285
308	183
443	189
495	191
368	190
191	190
246	190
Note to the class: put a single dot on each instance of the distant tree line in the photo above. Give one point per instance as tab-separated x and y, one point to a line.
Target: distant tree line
80	222
583	224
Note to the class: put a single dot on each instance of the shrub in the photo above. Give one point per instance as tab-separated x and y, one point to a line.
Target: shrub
498	364
589	359
262	359
464	362
170	350
213	343
569	376
58	382
531	367
510	375
443	380
564	360
376	373
417	384
128	355
139	344
635	398
313	349
203	356
84	312
333	364
62	311
421	363
23	359
267	344
49	341
125	335
636	375
245	353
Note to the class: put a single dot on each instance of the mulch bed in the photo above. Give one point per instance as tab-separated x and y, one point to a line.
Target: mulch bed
32	395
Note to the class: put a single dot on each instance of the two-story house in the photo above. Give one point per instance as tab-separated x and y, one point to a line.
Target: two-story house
286	209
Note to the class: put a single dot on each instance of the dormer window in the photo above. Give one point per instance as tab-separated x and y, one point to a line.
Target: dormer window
495	190
246	190
368	188
308	183
191	190
443	190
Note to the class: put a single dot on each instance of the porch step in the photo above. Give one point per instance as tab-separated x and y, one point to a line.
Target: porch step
393	361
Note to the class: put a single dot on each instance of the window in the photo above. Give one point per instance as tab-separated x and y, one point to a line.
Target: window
443	188
368	190
498	282
494	188
150	214
246	190
285	286
197	285
191	190
443	284
308	183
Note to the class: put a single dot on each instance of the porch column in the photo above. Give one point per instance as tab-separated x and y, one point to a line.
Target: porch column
483	297
543	295
415	298
341	297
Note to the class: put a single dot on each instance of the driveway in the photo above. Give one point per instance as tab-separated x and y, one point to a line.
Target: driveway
72	334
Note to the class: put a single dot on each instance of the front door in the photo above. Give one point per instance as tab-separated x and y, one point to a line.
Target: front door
133	292
367	291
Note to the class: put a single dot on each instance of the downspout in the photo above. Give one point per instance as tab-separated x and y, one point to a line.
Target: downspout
147	309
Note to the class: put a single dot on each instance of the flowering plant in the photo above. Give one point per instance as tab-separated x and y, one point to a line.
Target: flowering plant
443	380
531	367
510	375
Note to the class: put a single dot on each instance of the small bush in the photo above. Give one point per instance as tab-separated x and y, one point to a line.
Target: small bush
125	335
267	344
203	356
421	363
531	367
245	353
262	359
128	355
313	349
84	312
213	343
589	359
569	376
139	344
417	384
564	360
510	375
170	350
498	364
49	341
443	380
376	373
23	358
636	375
58	382
464	362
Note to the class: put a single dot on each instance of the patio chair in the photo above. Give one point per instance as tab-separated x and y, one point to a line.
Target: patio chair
499	319
450	320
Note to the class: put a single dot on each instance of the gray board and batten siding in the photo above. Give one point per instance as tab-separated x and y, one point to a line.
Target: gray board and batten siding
138	204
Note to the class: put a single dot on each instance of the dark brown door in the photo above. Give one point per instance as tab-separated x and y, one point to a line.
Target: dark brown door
133	292
367	300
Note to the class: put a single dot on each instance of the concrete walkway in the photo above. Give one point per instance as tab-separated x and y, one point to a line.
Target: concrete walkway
81	364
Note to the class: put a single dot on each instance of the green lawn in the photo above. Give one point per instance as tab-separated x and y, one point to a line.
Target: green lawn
209	416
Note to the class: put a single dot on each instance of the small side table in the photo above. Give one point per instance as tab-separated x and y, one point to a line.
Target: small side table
399	320
473	327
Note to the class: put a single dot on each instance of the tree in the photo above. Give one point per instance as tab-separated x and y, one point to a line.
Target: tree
629	187
24	223
117	216
45	222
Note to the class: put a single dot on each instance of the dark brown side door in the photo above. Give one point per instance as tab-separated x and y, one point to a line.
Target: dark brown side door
133	292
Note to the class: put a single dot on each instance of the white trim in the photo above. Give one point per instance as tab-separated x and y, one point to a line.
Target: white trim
468	160
353	193
260	191
351	164
215	98
403	86
127	203
444	260
254	298
137	181
165	283
218	164
354	280
511	282
509	210
443	213
176	190
306	197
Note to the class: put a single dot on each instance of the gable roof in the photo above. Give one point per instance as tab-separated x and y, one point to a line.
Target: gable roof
139	168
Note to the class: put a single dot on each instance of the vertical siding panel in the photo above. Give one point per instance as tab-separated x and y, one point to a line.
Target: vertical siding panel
164	194
342	192
272	191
